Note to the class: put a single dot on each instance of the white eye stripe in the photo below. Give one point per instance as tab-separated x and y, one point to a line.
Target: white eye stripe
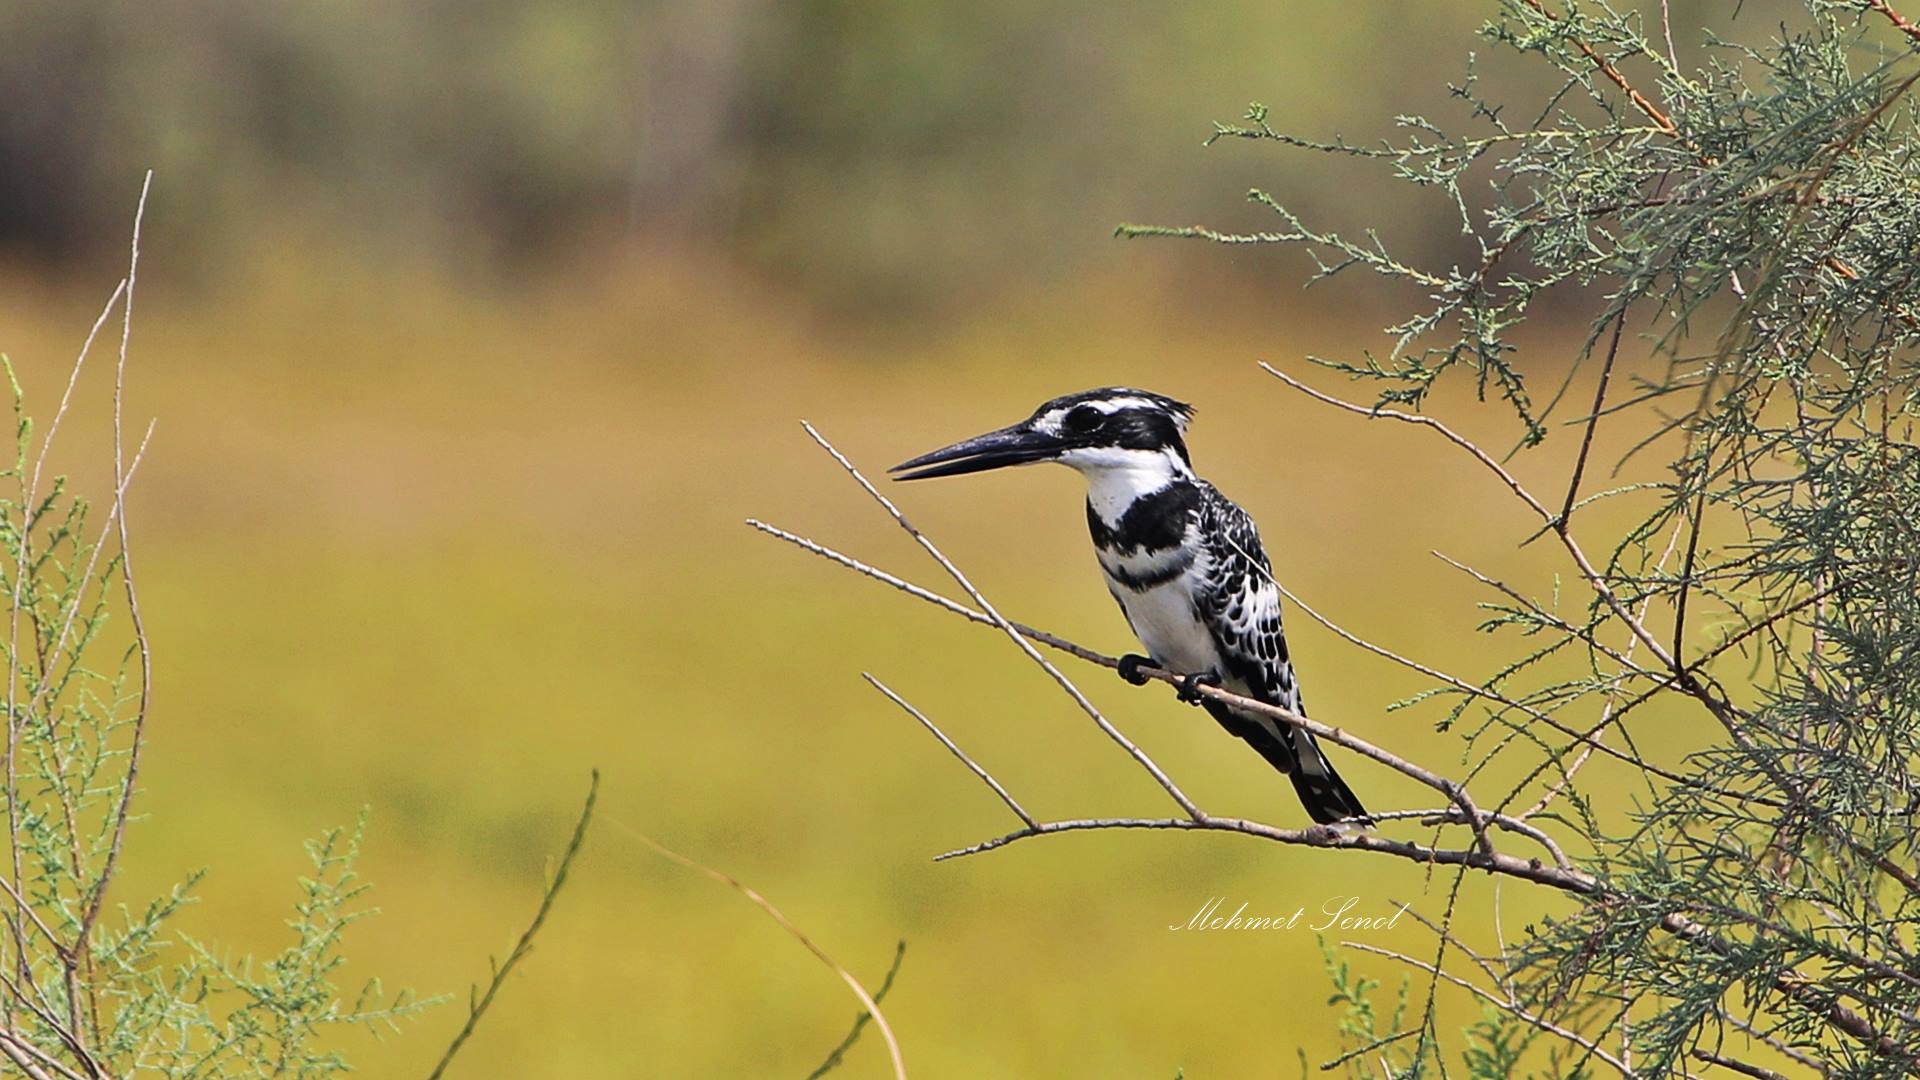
1053	421
1105	406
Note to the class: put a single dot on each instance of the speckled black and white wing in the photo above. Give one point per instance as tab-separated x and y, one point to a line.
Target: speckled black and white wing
1239	602
1241	605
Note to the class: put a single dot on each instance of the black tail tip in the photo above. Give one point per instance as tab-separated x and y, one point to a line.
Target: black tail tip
1328	800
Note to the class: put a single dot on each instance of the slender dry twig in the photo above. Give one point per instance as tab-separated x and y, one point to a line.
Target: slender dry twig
1362	1051
1899	21
1666	27
1606	709
1424	421
66	400
867	1000
1500	1003
1160	777
954	748
1320	836
1695	521
142	647
1742	1067
1782	1048
1593	417
839	1053
58	652
1052	641
29	1059
1585	633
476	1008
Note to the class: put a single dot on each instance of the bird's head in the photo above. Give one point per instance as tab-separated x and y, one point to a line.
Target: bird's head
1115	428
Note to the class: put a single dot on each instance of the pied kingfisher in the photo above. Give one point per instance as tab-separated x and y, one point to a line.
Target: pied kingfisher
1184	562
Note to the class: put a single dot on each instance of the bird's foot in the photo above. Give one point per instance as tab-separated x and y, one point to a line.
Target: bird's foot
1190	686
1130	668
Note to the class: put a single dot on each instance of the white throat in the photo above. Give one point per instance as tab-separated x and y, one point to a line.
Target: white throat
1116	477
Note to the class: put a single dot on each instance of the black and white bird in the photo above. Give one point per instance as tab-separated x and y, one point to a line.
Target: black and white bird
1184	562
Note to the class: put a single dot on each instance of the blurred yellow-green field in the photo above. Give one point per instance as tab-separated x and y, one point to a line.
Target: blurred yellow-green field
437	518
442	558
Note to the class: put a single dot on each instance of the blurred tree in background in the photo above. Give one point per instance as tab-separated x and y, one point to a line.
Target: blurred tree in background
877	153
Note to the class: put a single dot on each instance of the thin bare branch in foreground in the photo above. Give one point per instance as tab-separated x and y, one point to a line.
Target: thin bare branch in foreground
1453	791
122	476
839	1053
1160	777
1744	1068
476	1008
1482	855
1472	816
1500	1003
867	1000
985	777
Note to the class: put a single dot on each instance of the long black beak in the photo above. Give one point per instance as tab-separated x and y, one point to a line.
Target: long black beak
1016	445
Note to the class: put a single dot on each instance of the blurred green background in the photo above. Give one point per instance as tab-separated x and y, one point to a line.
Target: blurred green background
475	330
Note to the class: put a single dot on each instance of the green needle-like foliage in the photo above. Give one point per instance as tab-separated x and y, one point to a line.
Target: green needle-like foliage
1747	210
90	986
93	987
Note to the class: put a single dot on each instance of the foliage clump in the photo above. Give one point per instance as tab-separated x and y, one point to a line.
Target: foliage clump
1749	211
90	988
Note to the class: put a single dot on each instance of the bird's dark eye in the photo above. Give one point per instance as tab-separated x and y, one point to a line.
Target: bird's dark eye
1082	419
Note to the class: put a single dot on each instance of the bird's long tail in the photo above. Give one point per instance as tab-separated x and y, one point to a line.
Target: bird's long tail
1327	798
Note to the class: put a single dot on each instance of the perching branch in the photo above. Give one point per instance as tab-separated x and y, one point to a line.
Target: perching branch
1010	630
1562	875
1451	790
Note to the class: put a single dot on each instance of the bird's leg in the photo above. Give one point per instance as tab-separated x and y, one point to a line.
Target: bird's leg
1130	668
1190	686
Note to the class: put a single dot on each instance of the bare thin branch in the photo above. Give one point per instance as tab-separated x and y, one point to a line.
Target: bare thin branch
1593	417
1744	1068
1052	641
866	999
1606	710
66	400
1500	1003
1900	22
525	944
1424	421
1020	641
1319	836
985	776
142	646
1453	791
